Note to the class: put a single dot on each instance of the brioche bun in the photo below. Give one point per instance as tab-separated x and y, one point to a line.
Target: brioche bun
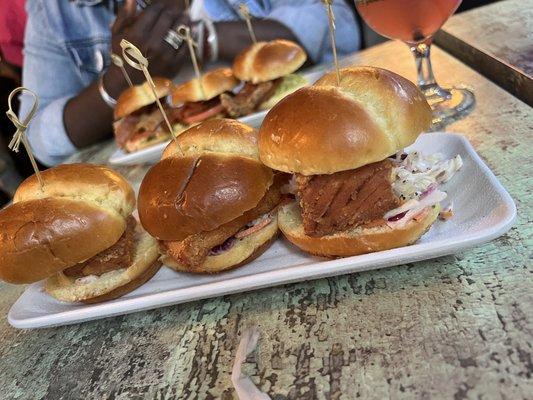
214	83
242	252
327	128
226	136
80	212
138	96
44	236
265	61
182	196
95	184
112	284
358	240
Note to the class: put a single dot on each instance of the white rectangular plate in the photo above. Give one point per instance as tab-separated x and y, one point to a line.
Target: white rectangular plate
483	211
153	154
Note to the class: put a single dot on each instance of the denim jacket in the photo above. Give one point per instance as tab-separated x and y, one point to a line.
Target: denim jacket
67	45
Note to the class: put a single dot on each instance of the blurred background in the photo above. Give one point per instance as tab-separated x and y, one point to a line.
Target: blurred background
15	167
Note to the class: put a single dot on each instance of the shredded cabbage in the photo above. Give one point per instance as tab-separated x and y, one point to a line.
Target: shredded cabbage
417	179
416	173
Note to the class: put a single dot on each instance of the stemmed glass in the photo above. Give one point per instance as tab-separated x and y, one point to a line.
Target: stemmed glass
415	22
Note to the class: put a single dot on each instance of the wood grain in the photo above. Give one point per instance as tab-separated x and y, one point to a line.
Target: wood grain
497	41
456	327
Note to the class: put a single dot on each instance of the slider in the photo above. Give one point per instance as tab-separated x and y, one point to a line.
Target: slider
214	207
78	234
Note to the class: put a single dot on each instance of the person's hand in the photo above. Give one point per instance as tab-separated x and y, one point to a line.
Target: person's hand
147	30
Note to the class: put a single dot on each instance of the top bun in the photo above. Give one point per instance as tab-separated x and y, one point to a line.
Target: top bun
42	237
81	212
217	179
96	184
214	83
373	114
265	61
182	196
226	136
138	96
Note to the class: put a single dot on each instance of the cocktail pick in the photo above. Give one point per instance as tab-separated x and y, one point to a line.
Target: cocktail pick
119	63
331	19
20	134
245	13
134	57
184	32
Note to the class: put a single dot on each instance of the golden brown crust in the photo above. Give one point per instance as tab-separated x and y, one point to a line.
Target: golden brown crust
265	61
352	242
217	136
372	115
181	196
138	96
214	83
44	236
92	183
128	287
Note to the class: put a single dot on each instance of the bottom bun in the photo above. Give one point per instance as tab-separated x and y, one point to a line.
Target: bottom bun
359	240
112	284
242	252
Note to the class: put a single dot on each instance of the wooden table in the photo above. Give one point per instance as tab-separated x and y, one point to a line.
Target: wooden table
455	327
497	41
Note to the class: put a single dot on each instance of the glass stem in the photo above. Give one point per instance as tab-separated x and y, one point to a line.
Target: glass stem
426	80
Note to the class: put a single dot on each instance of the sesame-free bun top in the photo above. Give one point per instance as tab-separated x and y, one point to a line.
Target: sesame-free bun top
96	184
181	196
223	135
214	83
265	61
217	179
138	96
81	212
327	128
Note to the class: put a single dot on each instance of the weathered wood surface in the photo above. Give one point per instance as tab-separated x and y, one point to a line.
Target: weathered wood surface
497	41
453	328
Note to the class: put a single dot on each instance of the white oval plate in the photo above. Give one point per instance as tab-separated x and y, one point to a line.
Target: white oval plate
150	154
483	210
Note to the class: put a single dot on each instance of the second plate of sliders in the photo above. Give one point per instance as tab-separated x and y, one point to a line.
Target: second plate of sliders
152	153
482	208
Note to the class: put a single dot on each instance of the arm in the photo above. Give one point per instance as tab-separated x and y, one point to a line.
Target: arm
85	128
49	72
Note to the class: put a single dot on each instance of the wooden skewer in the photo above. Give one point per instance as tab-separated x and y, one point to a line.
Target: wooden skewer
20	134
184	33
134	57
331	19
245	13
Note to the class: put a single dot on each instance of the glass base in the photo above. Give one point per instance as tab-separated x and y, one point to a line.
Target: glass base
454	105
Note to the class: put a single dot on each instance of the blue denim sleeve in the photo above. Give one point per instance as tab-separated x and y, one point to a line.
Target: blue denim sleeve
309	22
49	73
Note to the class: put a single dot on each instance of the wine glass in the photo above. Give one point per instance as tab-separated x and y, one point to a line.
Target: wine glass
415	22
